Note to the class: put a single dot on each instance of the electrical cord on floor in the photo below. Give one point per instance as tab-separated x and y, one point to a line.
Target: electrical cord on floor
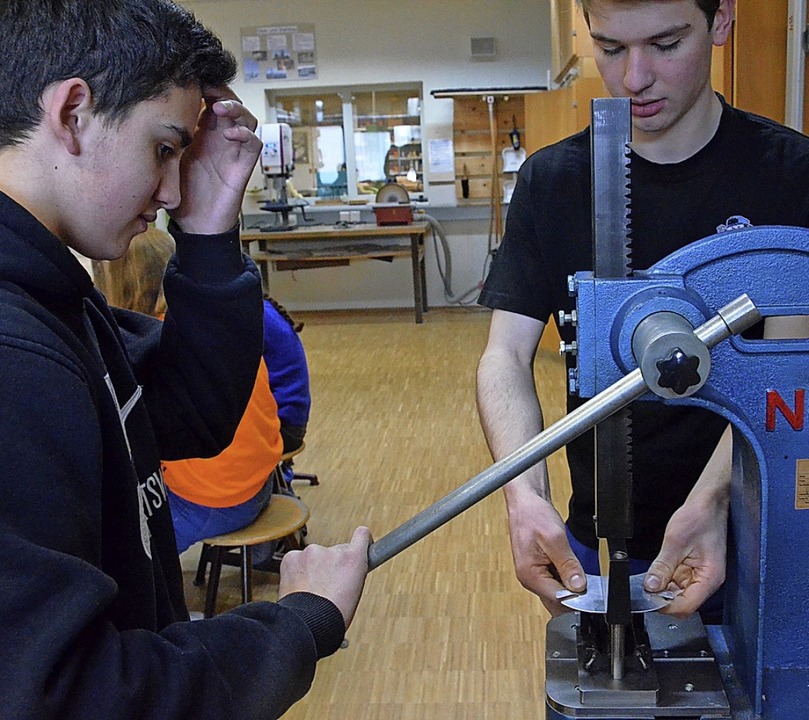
445	271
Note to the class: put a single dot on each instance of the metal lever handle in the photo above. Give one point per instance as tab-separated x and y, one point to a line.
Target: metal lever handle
733	318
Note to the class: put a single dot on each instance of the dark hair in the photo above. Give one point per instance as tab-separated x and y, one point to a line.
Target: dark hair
127	51
708	7
282	311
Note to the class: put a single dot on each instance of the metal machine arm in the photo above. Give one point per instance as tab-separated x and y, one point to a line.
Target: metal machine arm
733	318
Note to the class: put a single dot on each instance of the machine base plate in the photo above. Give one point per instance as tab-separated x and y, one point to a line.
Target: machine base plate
689	683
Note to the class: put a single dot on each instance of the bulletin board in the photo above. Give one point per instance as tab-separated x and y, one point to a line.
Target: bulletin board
279	52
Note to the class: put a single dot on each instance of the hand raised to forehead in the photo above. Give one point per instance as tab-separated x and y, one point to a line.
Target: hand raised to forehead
217	165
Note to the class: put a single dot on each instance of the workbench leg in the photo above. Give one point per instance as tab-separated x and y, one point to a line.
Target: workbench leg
422	266
419	284
264	268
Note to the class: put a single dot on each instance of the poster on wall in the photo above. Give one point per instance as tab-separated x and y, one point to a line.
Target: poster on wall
279	52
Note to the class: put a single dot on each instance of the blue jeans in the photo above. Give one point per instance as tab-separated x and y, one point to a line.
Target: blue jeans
193	522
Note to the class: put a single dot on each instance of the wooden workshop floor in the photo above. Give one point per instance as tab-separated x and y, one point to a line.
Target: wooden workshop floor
444	630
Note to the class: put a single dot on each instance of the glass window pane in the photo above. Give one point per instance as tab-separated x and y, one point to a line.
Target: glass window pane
331	154
317	139
371	148
386	133
387	139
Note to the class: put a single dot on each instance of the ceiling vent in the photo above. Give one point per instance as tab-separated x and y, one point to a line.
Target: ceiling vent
483	48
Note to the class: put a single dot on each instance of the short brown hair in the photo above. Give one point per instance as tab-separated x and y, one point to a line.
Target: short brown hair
708	7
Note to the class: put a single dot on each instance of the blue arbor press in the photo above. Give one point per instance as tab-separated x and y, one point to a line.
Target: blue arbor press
675	333
756	663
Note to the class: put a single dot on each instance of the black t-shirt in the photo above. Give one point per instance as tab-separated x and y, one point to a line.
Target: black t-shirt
752	167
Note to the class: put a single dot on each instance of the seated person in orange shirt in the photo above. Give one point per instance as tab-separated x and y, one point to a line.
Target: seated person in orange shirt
211	496
207	496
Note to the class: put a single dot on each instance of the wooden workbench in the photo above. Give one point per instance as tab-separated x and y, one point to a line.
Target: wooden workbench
330	245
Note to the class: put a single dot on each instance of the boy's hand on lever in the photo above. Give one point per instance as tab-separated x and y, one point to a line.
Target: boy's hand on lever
336	573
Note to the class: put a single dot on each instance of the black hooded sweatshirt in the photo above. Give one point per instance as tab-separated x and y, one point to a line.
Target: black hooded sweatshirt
93	623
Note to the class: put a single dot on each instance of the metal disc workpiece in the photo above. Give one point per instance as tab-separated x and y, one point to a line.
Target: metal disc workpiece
594	600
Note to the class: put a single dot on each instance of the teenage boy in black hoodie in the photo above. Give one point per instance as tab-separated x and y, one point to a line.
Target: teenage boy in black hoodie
100	127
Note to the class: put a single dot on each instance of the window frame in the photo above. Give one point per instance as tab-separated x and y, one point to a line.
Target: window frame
347	94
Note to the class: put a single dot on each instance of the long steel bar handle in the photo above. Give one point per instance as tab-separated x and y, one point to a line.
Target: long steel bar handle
733	318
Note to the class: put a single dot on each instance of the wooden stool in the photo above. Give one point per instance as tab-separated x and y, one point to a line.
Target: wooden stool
287	458
281	519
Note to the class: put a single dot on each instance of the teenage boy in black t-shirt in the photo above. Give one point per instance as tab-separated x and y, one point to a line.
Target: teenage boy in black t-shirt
695	162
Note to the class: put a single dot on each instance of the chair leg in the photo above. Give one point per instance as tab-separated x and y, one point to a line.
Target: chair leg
311	479
295	541
213	581
204	556
280	486
247	573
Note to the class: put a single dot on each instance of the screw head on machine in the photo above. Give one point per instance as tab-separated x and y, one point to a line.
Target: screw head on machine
573	381
566	318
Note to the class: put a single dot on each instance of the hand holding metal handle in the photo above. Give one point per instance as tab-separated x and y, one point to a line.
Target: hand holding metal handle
732	319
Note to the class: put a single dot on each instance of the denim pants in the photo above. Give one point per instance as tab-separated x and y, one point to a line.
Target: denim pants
193	522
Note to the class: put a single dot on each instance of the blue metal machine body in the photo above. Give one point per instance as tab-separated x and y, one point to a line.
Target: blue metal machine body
759	386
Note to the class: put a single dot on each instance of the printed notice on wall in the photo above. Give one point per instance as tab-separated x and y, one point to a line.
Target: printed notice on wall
279	52
802	485
441	157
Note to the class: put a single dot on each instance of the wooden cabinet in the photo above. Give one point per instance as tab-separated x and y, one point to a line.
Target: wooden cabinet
541	118
759	57
479	140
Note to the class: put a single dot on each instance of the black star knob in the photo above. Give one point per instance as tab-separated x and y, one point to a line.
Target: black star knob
678	372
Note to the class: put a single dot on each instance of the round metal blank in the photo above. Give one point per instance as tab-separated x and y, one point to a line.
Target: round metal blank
594	599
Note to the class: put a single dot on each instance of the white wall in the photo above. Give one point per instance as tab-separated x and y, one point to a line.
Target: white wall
376	41
373	41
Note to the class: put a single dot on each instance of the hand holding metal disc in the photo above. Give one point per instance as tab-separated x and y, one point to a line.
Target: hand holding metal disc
594	599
